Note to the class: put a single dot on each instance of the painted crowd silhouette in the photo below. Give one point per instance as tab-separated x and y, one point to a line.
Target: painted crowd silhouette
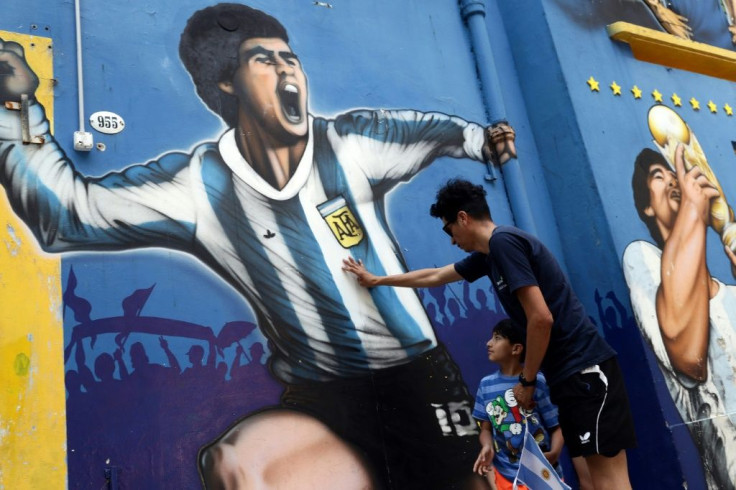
138	414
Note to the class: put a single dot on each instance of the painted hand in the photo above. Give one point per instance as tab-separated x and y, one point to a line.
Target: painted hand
500	146
16	77
673	23
695	188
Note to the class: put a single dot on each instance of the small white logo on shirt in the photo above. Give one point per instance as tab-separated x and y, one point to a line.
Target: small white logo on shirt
501	283
585	438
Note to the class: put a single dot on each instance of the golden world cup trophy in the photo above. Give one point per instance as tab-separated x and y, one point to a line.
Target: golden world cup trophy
669	130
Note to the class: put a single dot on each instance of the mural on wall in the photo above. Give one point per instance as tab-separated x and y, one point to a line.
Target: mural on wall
272	208
685	315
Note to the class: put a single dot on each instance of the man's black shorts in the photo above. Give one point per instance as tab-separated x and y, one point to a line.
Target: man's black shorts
595	416
412	422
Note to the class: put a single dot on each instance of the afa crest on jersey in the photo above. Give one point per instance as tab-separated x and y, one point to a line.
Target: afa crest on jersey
342	221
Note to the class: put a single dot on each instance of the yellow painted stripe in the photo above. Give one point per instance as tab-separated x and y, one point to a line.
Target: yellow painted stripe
32	394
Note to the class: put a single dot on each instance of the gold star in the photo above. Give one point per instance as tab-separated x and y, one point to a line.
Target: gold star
728	109
593	84
657	95
616	88
694	102
713	108
636	91
676	100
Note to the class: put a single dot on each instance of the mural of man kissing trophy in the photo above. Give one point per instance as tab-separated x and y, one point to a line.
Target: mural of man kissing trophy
272	208
687	316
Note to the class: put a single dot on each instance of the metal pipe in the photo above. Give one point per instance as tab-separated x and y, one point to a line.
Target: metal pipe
473	13
80	81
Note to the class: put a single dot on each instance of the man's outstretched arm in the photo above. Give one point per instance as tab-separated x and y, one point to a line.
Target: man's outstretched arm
421	278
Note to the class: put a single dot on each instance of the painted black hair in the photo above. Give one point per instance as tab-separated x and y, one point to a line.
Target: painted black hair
639	185
209	48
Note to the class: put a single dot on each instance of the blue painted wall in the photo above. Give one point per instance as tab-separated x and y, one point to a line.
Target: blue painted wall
588	141
576	151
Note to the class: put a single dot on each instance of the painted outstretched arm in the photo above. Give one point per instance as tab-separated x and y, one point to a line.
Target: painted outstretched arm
392	146
684	294
173	362
118	356
143	206
421	278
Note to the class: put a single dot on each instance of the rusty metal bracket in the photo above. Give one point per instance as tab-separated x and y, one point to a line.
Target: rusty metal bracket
25	125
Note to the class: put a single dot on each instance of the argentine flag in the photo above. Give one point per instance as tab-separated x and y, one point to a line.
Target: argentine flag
534	470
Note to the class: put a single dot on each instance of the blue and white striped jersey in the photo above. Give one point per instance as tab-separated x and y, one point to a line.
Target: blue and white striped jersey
282	249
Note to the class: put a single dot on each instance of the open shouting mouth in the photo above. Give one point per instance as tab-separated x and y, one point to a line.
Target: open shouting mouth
289	97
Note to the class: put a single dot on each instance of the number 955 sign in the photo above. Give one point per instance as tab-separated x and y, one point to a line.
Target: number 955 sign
106	122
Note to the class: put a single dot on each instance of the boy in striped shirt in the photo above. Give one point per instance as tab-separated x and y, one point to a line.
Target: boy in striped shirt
502	419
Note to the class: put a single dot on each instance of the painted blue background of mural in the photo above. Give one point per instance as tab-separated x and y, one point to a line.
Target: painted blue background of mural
354	56
146	84
386	54
596	140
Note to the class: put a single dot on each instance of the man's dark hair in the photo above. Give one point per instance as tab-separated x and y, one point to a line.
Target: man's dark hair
509	329
209	50
460	195
640	185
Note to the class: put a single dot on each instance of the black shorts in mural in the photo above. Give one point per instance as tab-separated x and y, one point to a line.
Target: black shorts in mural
412	422
595	416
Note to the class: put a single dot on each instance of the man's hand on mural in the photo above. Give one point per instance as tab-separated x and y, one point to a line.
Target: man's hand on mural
500	146
696	191
16	77
365	278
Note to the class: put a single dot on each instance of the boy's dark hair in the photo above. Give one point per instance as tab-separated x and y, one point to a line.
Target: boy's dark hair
639	184
460	195
509	329
209	49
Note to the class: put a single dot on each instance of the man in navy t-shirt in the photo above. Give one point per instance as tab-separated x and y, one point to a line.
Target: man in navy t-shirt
581	368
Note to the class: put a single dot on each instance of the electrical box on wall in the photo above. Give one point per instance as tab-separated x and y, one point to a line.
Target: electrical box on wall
83	141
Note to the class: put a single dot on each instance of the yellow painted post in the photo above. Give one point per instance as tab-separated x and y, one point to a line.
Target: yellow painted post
32	393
